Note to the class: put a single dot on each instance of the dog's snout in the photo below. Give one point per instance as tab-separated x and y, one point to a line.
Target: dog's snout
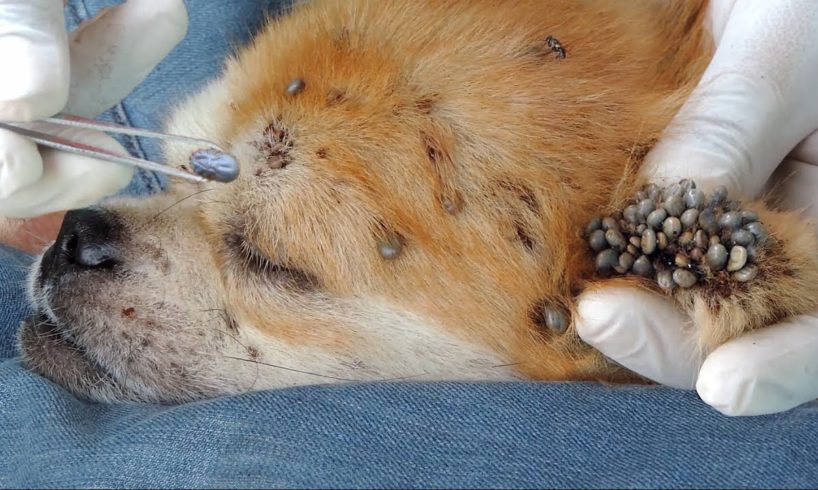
87	239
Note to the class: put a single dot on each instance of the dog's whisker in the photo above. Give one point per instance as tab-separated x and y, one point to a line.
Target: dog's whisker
160	213
284	368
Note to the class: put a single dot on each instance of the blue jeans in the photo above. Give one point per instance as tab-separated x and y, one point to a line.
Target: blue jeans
368	435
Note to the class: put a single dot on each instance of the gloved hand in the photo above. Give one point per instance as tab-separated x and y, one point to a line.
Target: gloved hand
756	101
46	72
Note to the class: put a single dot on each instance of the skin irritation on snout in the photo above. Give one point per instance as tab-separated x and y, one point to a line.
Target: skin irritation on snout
410	204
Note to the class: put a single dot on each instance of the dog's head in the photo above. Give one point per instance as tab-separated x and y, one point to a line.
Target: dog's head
407	204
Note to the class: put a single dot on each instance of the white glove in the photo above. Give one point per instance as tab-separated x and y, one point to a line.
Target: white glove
757	100
45	72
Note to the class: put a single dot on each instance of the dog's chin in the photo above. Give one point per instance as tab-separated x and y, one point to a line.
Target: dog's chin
48	350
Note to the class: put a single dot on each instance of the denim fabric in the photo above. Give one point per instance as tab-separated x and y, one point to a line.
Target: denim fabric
511	435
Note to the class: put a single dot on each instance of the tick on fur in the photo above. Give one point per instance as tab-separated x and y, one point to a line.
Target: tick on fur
549	316
554	318
128	312
295	87
556	47
391	246
452	204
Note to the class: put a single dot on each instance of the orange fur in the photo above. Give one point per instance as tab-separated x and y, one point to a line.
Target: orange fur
410	105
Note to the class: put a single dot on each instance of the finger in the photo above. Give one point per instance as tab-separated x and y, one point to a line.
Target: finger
807	150
755	102
113	53
794	185
30	235
20	163
766	371
34	57
69	181
641	331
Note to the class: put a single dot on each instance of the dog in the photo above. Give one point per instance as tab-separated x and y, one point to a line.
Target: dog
415	179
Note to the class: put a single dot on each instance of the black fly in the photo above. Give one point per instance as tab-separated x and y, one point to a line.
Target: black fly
556	47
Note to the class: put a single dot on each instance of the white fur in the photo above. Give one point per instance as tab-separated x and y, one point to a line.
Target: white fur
399	346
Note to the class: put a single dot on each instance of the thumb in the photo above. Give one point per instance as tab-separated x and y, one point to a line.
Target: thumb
111	54
756	101
640	330
766	371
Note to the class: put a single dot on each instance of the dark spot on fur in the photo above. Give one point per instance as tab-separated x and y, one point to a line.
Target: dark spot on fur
528	197
258	172
156	252
233	241
231	322
335	97
184	167
570	182
253	352
432	153
151	324
524	237
321	153
146	342
524	194
126	336
443	173
129	312
335	194
713	303
425	104
275	146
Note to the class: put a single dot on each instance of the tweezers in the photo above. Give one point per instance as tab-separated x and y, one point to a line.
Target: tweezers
209	162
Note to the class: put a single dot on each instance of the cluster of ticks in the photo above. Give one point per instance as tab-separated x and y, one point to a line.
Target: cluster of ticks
679	236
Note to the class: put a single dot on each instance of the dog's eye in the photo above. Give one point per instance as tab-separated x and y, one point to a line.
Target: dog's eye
252	261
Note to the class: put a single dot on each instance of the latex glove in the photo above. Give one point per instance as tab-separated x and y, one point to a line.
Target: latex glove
757	100
46	71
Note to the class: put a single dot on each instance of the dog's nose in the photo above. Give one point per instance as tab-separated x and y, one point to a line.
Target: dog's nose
87	239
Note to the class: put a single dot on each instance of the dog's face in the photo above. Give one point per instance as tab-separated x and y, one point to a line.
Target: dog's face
320	263
186	296
406	207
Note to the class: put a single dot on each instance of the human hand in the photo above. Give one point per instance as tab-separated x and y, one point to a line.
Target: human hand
85	73
755	102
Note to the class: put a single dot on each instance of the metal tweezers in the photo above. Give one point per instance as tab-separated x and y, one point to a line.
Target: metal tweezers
209	162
